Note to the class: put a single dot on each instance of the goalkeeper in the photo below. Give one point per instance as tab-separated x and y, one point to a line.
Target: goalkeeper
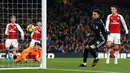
32	52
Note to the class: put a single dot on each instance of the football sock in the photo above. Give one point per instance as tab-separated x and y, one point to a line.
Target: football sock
85	55
108	55
116	57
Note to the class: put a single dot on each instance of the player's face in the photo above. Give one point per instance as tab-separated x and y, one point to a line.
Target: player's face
113	10
13	20
95	15
36	47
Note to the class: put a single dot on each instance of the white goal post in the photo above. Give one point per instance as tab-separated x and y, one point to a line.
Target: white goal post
44	32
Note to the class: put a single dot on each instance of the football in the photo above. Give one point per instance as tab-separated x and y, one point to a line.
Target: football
30	28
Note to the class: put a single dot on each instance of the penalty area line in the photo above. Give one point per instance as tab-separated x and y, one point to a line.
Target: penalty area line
76	70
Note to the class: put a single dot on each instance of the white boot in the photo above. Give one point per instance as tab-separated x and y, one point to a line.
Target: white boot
115	62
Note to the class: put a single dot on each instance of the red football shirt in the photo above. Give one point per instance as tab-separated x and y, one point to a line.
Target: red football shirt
37	33
113	23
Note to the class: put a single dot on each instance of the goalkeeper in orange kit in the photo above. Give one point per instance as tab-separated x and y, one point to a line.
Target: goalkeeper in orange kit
32	52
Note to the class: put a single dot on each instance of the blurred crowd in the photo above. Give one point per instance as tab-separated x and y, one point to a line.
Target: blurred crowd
68	26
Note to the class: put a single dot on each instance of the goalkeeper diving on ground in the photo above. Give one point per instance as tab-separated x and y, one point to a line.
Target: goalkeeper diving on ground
32	52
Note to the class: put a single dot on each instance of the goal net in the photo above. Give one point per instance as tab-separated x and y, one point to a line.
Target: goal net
27	12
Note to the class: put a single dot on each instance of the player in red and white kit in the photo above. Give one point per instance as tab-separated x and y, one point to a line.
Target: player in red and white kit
37	34
113	24
11	33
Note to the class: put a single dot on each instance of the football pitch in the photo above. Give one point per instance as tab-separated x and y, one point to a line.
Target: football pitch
70	65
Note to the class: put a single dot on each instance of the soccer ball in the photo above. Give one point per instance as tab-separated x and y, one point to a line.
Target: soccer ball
30	28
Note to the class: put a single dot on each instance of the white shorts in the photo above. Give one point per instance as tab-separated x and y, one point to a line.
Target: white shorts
114	37
33	42
12	42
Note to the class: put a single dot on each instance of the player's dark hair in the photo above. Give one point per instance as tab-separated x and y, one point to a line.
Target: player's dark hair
97	11
37	43
115	6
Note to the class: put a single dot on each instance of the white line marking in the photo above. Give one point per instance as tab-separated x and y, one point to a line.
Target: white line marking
19	68
74	70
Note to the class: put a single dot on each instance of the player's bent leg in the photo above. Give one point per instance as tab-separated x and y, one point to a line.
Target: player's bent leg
95	61
93	53
15	54
25	59
85	56
25	56
19	59
22	57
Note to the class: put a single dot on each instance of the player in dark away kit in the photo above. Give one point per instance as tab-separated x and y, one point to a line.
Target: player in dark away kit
99	40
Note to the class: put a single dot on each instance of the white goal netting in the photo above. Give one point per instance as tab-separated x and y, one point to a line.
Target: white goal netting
27	12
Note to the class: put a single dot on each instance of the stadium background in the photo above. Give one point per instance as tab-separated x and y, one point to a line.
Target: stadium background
64	18
75	12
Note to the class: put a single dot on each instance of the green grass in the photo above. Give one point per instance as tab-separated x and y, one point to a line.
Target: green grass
70	65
